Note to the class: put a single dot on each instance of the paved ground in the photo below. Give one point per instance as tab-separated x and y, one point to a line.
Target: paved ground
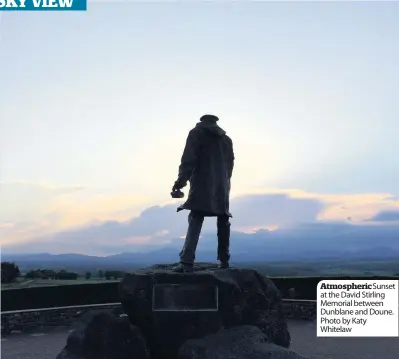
304	341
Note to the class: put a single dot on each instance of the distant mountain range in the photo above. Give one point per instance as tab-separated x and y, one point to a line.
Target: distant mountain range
310	242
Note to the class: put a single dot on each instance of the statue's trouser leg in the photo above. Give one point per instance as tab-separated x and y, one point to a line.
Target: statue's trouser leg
195	221
223	224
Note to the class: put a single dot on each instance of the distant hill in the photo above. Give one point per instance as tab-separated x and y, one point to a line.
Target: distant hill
311	242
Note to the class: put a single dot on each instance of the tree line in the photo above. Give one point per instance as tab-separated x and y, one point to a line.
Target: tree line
10	272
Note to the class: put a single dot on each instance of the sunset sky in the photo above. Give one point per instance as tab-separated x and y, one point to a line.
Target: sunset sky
95	108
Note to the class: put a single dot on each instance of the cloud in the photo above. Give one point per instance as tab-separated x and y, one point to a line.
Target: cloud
29	206
276	209
339	207
157	224
47	186
73	217
7	225
386	216
41	208
24	200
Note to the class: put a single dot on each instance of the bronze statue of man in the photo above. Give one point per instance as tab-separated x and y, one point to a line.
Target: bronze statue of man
207	162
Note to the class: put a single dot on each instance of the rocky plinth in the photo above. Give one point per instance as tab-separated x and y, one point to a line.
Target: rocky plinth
184	316
103	335
244	298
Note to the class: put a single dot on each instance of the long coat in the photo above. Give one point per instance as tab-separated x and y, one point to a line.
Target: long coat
207	162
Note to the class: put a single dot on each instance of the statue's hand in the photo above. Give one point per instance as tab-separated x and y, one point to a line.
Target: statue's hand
176	193
178	185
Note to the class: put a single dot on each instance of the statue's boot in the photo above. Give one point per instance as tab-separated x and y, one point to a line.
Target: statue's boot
224	265
183	268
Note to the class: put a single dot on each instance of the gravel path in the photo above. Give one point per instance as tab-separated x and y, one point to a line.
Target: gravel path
304	341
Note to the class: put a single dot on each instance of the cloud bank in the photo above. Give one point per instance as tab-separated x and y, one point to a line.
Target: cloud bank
386	216
157	226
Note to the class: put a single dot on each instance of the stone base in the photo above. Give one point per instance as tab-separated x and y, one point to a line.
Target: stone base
211	313
101	335
244	297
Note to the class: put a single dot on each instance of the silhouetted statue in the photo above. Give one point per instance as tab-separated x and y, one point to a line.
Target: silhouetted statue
207	162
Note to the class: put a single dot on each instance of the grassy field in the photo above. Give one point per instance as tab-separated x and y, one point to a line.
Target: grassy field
28	283
328	268
270	269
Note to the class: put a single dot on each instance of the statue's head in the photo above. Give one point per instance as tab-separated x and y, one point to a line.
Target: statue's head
209	118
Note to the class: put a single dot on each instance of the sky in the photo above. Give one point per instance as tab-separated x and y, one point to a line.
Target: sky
95	108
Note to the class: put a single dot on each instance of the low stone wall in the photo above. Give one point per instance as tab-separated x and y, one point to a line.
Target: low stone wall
36	319
300	309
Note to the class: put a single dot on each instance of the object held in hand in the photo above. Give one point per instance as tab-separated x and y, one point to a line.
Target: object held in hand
177	194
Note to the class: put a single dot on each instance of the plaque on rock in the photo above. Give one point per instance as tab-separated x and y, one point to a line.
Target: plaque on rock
185	297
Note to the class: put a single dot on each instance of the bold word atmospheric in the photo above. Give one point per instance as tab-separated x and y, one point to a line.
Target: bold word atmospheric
357	286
